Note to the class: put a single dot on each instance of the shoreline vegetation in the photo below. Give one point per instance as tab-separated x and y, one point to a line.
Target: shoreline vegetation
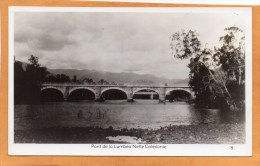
191	134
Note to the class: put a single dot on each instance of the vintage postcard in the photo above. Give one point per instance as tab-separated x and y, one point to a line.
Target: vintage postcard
130	81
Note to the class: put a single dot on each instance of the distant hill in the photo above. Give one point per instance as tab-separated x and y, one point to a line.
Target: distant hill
183	82
123	77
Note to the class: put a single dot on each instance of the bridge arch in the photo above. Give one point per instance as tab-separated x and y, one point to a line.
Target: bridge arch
114	88
81	93
46	88
179	94
51	94
151	89
84	88
178	89
146	93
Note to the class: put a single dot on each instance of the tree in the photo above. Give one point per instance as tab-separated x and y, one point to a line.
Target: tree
102	82
74	78
59	78
216	76
19	82
35	72
64	78
34	61
50	78
27	81
88	80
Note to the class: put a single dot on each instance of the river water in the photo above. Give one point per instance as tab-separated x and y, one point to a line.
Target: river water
147	114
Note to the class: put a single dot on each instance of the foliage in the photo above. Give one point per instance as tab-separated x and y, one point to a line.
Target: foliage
103	82
217	76
27	80
74	78
88	80
59	78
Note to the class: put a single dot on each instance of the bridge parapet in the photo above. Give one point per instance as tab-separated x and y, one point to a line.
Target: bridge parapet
112	84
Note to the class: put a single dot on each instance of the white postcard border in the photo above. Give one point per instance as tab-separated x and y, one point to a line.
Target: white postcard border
220	2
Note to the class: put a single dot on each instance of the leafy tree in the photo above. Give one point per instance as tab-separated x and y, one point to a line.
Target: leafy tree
64	78
59	78
34	61
102	82
35	72
88	80
74	78
216	76
50	78
19	82
27	81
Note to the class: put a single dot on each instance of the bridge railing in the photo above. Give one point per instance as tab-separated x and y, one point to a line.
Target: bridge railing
94	83
81	83
86	83
114	84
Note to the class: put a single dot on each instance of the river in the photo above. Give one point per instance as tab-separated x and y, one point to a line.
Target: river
145	114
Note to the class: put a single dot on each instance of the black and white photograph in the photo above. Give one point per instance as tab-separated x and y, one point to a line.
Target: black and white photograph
130	81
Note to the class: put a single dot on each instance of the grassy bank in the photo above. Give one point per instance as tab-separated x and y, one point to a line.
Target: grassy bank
194	134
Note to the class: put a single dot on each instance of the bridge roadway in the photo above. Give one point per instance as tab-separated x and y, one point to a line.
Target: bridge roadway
67	88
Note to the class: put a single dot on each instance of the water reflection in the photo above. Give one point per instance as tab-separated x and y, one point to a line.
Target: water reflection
118	114
210	116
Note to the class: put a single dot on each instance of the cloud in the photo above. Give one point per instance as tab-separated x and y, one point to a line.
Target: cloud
114	42
50	42
44	32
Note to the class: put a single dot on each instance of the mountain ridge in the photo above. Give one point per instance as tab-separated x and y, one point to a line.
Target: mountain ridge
124	77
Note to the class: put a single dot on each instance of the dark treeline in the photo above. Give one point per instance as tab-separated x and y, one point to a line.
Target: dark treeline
62	78
28	79
57	78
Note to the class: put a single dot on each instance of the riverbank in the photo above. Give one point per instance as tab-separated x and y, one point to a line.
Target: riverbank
192	134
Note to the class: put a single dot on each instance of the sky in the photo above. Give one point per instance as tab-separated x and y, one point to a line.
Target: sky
114	42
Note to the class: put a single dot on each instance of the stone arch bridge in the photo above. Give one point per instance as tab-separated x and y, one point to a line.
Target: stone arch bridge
67	88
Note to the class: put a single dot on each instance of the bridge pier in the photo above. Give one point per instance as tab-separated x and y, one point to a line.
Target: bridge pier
98	95
66	93
130	100
100	99
65	98
130	97
162	99
162	95
130	94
